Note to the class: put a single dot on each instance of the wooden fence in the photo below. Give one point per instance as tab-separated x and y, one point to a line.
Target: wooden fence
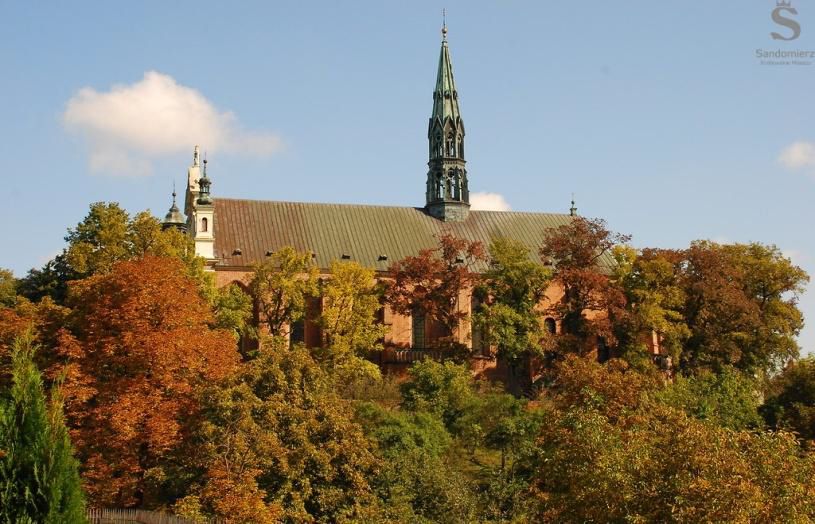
134	516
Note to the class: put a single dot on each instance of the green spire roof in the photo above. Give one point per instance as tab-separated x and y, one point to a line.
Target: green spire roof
174	218
445	96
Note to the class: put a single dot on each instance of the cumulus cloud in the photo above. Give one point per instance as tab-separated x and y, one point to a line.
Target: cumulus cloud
130	125
798	155
488	202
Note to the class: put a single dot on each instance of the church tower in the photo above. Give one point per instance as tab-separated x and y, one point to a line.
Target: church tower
200	208
448	195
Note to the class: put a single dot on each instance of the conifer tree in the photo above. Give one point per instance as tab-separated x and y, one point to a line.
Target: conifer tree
39	477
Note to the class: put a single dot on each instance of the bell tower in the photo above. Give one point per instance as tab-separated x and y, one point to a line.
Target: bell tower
448	195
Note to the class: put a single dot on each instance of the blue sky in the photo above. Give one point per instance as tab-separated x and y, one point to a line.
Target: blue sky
658	115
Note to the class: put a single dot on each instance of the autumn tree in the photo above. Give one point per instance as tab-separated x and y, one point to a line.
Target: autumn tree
137	345
581	254
433	283
39	477
741	307
511	291
608	452
281	287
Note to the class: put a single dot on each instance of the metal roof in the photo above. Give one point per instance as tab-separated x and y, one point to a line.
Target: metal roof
246	230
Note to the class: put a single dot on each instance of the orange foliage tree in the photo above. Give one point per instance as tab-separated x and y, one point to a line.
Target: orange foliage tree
137	346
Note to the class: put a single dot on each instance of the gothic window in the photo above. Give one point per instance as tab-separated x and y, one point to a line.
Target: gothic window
451	145
204	225
476	333
298	332
439	186
417	320
550	326
457	186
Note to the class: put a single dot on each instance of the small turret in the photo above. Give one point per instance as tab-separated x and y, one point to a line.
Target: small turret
204	184
174	218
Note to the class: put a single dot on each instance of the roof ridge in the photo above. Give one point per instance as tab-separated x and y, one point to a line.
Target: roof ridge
347	204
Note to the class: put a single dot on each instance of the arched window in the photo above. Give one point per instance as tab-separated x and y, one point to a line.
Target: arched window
204	225
476	333
417	324
550	325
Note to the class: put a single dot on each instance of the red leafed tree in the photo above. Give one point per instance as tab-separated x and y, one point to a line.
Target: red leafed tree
432	283
137	346
581	253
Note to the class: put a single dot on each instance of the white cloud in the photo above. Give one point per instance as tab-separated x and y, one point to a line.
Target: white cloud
798	155
130	125
488	202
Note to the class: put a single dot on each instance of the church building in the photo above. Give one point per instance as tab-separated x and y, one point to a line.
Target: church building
234	234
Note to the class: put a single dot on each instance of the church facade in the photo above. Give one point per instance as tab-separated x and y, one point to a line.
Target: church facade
232	235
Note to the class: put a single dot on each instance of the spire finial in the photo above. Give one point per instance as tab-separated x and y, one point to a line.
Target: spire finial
573	209
173	192
444	25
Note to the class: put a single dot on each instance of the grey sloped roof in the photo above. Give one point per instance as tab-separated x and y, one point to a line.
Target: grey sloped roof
363	232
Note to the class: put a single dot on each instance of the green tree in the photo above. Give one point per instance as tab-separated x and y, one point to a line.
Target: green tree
278	433
655	301
511	291
729	399
281	287
8	288
444	389
39	477
351	299
790	402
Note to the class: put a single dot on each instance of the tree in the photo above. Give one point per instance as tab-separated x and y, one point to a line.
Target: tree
8	288
351	299
580	252
278	433
741	307
39	477
281	286
137	345
655	301
729	399
433	282
790	402
444	389
511	291
610	450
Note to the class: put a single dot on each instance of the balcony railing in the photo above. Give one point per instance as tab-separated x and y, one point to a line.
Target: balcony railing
408	356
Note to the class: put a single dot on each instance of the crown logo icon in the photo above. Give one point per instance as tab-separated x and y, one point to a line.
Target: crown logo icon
783	3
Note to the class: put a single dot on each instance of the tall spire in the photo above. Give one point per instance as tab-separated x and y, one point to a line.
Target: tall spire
447	196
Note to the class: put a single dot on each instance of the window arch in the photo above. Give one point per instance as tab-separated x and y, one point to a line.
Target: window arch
417	324
550	325
204	225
